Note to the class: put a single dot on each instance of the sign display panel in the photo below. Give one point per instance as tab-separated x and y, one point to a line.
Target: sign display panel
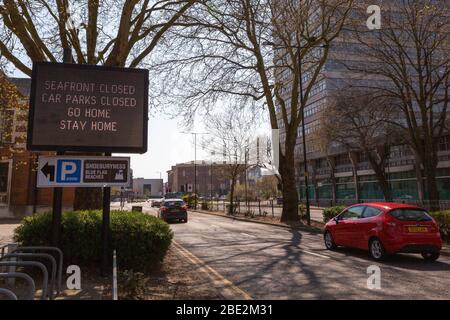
88	108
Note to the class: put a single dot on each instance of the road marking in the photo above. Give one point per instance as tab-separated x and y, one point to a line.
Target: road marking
315	254
229	290
248	235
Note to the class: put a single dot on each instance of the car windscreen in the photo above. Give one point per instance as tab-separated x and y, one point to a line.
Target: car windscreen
173	204
410	215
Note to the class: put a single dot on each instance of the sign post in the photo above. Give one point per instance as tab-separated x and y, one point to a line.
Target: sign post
106	226
87	172
85	108
58	192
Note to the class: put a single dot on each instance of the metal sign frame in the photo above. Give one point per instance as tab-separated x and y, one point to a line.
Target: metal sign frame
104	149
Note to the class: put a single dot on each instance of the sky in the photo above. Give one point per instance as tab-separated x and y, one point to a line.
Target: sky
167	146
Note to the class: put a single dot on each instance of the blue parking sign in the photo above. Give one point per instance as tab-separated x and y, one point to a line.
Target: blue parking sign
68	171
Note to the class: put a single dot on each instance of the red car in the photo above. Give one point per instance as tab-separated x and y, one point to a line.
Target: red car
385	228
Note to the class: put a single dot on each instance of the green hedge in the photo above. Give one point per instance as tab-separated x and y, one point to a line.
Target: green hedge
331	212
443	219
141	241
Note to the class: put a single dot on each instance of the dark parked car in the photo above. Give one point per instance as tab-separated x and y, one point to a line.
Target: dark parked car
173	209
157	202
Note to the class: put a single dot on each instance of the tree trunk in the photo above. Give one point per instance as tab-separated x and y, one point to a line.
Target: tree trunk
289	190
380	174
231	207
429	161
432	189
88	199
385	186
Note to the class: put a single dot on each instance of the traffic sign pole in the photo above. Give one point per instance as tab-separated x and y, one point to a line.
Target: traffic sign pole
58	192
106	228
57	215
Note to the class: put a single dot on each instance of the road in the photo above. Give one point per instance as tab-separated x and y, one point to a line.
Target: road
269	262
316	213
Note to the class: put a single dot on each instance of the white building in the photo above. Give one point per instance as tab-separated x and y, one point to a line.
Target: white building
148	187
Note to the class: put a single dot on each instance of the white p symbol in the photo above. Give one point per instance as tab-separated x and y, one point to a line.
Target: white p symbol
68	168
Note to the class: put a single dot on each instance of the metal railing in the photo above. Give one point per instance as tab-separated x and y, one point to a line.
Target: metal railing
47	249
274	208
24	276
12	256
31	264
38	255
8	293
441	205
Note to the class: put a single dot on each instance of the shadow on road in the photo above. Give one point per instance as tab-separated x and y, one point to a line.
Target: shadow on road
403	261
275	263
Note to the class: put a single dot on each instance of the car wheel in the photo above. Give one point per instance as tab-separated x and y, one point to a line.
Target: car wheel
376	249
329	241
431	255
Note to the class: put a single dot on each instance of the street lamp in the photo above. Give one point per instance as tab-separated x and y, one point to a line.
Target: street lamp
195	160
299	58
162	183
211	176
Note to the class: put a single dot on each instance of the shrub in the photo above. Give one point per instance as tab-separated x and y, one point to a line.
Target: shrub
191	200
141	241
331	212
205	205
302	210
443	220
131	284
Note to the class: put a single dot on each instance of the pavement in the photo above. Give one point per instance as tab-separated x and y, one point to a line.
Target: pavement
7	230
269	262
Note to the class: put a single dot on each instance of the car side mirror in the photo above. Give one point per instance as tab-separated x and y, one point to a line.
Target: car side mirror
336	219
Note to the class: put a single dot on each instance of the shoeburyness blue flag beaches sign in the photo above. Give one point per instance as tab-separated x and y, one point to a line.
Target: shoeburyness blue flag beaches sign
74	171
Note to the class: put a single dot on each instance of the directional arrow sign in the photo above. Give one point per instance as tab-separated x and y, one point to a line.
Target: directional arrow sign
73	171
49	172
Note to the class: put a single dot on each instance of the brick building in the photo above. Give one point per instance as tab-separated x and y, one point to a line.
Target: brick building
18	193
211	178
